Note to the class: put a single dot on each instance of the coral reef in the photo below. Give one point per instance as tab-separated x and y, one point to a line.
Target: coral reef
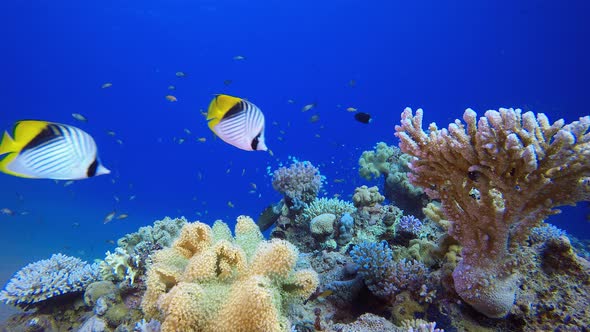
162	233
48	278
496	178
363	265
365	196
232	284
387	278
323	205
390	162
299	183
120	266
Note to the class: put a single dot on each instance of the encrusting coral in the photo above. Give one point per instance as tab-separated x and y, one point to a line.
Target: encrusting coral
496	178
210	281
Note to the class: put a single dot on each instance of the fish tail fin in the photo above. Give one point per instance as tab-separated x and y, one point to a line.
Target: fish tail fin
8	144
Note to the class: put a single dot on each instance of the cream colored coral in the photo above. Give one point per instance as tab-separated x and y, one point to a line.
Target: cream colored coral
365	196
303	283
182	308
497	178
434	212
225	260
248	235
221	231
374	163
274	259
217	289
252	306
193	238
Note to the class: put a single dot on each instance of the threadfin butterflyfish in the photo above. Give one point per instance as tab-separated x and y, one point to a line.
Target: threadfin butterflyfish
237	122
47	150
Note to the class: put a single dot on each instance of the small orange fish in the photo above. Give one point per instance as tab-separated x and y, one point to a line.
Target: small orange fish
171	98
351	109
317	294
202	139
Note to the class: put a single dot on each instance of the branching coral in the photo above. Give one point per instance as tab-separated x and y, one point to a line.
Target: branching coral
210	281
162	233
299	183
47	278
385	277
497	178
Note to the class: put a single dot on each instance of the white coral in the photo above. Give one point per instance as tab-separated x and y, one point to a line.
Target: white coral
44	279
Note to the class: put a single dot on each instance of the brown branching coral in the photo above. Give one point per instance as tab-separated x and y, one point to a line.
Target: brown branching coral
497	178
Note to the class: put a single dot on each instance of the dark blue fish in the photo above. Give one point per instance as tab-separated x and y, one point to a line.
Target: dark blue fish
363	117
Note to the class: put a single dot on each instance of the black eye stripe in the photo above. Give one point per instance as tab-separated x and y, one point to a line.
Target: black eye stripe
48	133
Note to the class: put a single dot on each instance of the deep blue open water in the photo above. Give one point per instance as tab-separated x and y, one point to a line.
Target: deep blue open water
376	56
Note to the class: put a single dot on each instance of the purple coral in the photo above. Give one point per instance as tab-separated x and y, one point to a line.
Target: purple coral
409	224
299	183
384	276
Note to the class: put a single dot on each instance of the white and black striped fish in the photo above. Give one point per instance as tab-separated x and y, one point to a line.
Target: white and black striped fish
46	150
237	122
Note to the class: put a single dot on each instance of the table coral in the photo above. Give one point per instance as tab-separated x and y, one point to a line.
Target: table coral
497	178
47	278
207	282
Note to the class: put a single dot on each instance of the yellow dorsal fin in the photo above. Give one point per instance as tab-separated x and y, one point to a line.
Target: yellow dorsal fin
219	106
26	130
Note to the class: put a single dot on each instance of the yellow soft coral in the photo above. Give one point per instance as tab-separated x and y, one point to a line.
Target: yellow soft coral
216	287
252	306
275	259
248	235
193	238
182	308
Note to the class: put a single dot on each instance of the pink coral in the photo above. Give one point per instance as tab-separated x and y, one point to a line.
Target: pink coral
496	178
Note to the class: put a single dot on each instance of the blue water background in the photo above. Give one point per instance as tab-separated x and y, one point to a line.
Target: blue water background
438	55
